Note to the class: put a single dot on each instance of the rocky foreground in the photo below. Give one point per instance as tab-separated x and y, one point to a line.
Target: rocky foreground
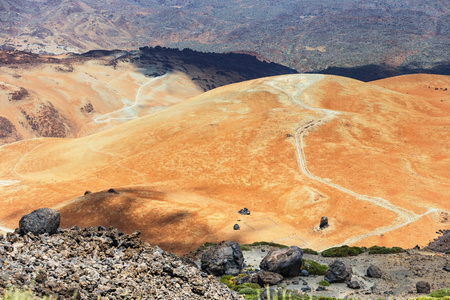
101	263
96	261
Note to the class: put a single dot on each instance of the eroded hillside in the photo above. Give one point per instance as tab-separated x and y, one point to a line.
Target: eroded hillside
76	95
291	149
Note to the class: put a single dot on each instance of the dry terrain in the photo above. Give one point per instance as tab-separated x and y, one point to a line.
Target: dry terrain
304	35
76	95
372	157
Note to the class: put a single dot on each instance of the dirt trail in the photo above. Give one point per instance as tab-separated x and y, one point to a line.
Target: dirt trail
405	216
104	118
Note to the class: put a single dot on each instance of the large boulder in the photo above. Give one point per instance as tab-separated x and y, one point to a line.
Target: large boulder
223	259
323	222
423	287
338	272
374	272
286	262
43	220
264	277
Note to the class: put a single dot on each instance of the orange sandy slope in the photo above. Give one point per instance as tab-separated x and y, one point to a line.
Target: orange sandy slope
183	173
93	82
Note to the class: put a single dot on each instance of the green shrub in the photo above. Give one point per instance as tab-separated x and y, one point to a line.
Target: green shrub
205	246
254	286
324	283
343	251
248	291
310	251
430	298
447	252
384	250
440	293
267	244
313	267
228	280
244	248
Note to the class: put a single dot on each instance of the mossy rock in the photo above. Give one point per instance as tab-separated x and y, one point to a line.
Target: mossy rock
440	293
248	291
384	250
310	251
313	267
343	251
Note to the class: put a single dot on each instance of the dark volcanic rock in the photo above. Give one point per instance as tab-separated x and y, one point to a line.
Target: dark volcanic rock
264	277
442	243
223	259
423	287
87	192
43	220
323	222
98	263
338	272
374	272
236	227
113	191
353	285
286	262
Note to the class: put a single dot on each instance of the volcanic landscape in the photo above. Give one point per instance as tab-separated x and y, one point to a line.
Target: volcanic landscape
372	157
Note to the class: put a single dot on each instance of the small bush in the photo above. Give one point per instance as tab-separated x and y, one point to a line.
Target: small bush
205	246
228	280
384	250
343	251
310	251
324	283
254	286
313	267
440	293
430	298
447	252
244	248
248	291
267	244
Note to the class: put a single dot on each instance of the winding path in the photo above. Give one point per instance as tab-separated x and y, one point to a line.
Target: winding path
104	118
405	216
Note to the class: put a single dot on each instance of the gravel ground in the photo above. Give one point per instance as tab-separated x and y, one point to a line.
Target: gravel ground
96	261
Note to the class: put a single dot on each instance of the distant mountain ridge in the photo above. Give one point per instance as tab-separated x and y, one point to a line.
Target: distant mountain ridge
308	36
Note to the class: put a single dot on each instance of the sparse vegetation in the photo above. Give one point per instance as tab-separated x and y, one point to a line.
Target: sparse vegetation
244	247
205	246
384	250
266	244
228	280
343	251
313	267
440	293
324	283
310	251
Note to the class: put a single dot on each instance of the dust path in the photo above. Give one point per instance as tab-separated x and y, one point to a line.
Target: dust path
405	216
21	159
6	229
107	117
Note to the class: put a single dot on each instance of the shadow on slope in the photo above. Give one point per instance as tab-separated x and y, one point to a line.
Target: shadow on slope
207	70
129	209
375	72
